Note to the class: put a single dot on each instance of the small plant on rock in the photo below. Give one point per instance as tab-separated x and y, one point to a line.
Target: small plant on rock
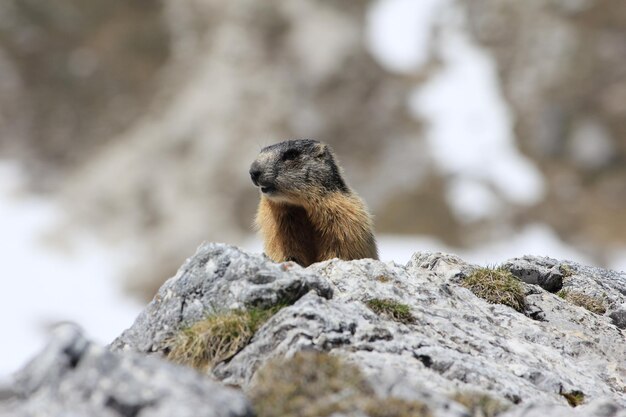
574	398
391	308
216	338
497	286
593	304
479	404
395	407
383	278
314	384
566	270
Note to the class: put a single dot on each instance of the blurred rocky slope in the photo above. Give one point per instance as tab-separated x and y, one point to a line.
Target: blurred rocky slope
143	116
348	338
562	70
73	76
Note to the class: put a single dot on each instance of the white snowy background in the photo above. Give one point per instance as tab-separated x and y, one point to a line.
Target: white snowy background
44	285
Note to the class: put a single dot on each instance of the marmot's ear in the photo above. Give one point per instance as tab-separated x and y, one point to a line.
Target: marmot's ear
320	150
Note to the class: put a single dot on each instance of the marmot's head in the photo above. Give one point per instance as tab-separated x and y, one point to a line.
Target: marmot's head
295	170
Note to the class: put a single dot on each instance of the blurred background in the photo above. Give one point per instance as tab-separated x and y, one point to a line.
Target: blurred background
486	128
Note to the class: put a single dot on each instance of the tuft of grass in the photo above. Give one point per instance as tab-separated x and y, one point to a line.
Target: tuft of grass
497	286
308	384
216	338
315	384
383	278
392	309
479	404
593	304
574	398
395	407
566	270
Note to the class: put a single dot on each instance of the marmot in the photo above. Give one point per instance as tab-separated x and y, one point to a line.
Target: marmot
307	213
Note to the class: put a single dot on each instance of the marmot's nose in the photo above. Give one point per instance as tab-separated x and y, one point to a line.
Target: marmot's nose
255	173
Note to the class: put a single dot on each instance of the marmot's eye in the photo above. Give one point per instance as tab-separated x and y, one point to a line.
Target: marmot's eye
290	155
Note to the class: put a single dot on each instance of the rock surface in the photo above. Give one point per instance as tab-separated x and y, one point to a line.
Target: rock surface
73	377
451	342
454	340
217	278
596	409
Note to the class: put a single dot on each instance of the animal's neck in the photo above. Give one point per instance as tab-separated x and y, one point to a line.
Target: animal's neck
317	213
286	211
296	235
328	210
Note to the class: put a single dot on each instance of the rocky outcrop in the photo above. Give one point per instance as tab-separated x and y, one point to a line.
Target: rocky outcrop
73	376
413	333
218	278
453	340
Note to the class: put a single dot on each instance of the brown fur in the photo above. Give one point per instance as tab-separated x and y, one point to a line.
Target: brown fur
309	223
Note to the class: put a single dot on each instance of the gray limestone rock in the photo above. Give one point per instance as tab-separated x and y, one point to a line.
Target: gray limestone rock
619	318
605	287
74	377
217	278
413	330
545	272
601	408
451	342
455	343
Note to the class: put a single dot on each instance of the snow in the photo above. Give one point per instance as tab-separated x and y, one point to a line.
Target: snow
399	32
471	200
469	126
44	285
617	259
534	239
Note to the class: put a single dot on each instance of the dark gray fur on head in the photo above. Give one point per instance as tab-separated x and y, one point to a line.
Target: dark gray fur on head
295	168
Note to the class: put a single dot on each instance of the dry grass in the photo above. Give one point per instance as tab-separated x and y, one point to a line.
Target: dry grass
574	398
566	270
313	384
394	310
497	286
395	407
593	304
479	404
383	278
216	338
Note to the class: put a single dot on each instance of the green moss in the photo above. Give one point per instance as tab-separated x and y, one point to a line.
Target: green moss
479	404
566	270
497	286
574	398
314	384
217	337
391	308
593	304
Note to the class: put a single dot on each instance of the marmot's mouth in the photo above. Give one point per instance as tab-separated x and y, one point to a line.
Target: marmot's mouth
268	189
